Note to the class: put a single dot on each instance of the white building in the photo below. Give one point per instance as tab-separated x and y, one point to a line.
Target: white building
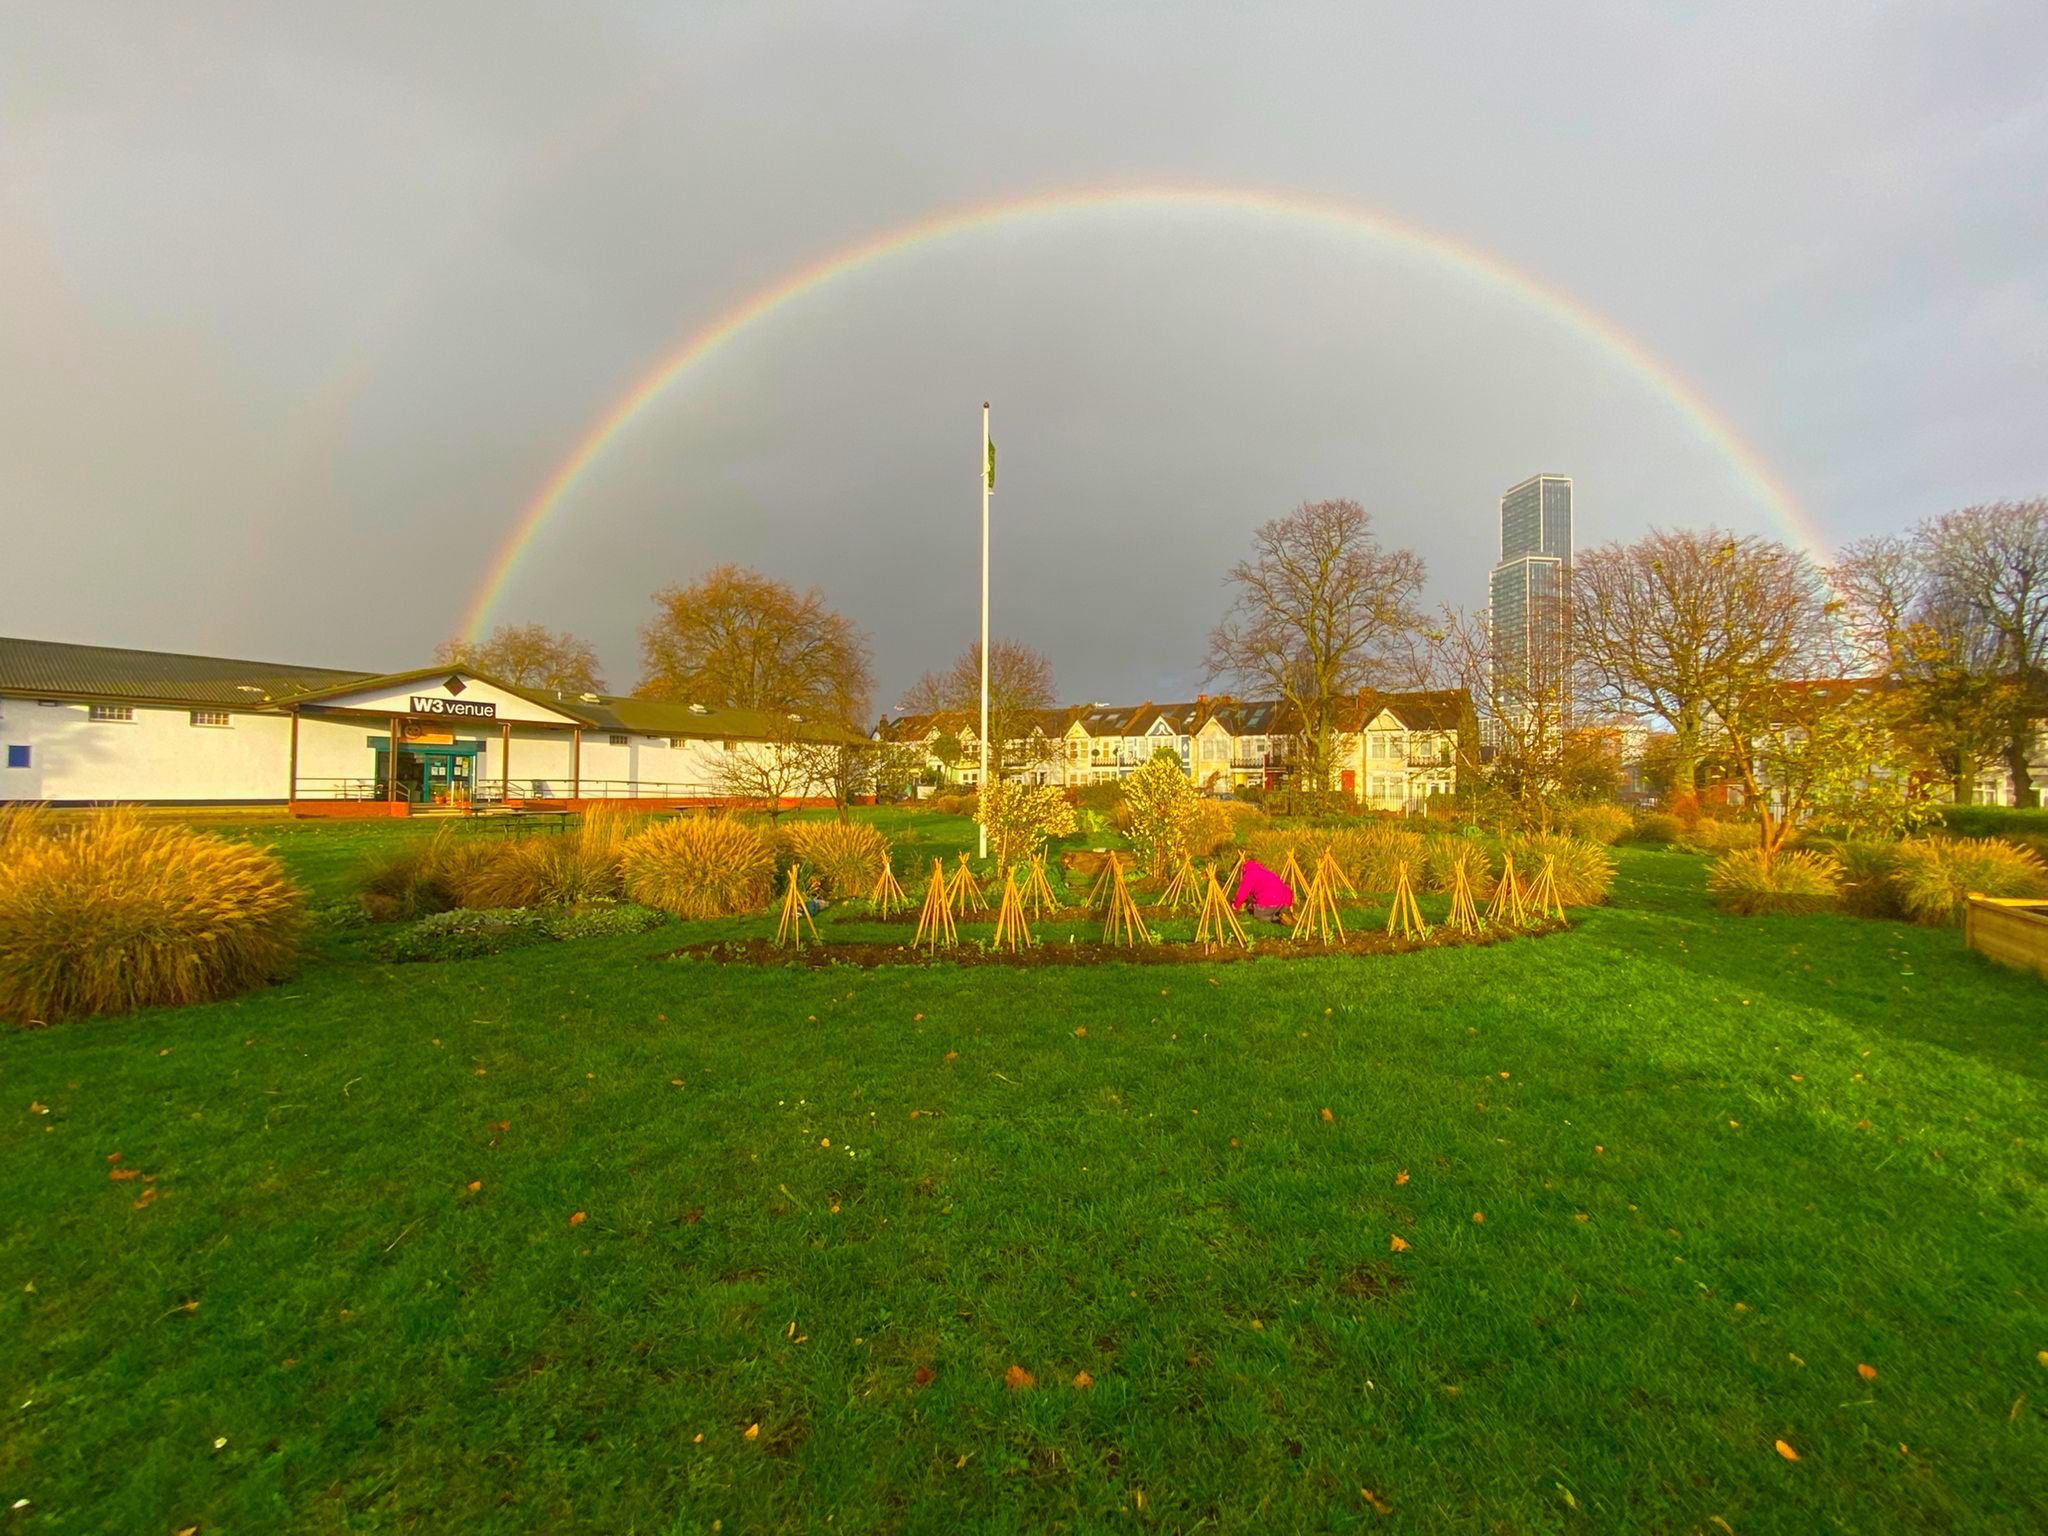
82	725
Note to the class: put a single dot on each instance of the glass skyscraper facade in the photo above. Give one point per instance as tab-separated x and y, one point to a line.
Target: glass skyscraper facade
1525	599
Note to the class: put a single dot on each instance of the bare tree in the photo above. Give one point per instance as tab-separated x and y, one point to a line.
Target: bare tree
1320	613
1936	656
1659	627
1527	754
1019	693
1991	563
528	656
738	638
765	772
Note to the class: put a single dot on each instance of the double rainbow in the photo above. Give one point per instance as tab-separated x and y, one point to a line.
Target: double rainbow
1364	223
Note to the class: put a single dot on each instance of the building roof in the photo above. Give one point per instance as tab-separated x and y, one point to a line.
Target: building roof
657	717
53	669
1434	709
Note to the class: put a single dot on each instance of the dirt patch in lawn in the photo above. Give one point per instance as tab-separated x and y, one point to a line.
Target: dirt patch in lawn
760	951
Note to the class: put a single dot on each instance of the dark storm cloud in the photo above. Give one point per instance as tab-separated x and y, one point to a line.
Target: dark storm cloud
302	305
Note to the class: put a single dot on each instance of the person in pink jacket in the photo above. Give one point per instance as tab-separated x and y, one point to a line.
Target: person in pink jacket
1264	892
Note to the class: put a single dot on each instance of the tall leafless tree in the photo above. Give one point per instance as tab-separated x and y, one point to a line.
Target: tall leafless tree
1320	612
1020	693
1991	562
1663	627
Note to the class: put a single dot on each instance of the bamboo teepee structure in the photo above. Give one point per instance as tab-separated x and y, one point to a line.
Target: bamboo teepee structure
1104	888
1186	883
796	915
887	896
1545	896
1506	906
1406	918
1464	913
1125	924
935	922
1297	882
1218	923
1316	916
966	895
1012	932
1331	873
1038	890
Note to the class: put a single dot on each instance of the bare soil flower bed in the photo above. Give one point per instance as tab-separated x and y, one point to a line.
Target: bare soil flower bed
765	952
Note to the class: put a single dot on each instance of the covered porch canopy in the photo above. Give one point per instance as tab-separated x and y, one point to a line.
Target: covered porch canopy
426	739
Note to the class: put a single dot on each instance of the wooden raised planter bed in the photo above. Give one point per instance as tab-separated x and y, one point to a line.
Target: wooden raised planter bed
2012	931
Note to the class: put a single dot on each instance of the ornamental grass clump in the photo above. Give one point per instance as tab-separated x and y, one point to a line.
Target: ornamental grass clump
1937	875
1868	865
1657	827
1374	856
699	866
1604	824
844	858
1444	855
1583	871
428	876
543	869
1795	881
115	913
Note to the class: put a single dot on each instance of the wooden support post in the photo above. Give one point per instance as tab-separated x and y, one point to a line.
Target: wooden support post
505	766
575	762
291	792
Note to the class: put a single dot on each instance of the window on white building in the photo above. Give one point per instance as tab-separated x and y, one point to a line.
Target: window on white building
620	741
214	717
111	712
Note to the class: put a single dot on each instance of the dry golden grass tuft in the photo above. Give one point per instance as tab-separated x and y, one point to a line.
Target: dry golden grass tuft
845	856
1797	880
113	913
1935	875
699	866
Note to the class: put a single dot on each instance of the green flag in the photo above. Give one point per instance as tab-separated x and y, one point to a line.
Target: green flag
991	463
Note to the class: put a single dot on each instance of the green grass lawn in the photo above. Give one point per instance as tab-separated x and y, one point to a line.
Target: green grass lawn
584	1238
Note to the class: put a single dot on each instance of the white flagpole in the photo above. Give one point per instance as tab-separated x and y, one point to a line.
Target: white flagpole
983	794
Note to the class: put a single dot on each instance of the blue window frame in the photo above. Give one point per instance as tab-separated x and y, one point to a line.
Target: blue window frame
17	757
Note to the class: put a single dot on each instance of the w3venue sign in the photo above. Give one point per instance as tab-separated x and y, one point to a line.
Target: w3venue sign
431	704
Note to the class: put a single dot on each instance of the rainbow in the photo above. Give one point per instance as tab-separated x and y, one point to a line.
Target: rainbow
1366	223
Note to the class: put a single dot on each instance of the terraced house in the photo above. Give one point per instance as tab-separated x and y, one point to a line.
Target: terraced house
1394	750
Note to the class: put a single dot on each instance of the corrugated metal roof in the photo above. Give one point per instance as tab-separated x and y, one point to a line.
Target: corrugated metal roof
52	668
651	717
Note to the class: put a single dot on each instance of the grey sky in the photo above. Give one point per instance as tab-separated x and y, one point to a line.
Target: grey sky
301	304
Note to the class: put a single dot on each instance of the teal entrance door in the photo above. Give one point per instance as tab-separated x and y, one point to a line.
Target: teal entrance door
430	775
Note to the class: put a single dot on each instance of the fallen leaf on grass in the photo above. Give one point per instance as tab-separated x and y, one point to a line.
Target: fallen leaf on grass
116	1175
1867	1372
113	1157
692	1217
148	1198
1081	1032
1328	1116
475	1185
1379	1505
1786	1451
917	1018
1401	1177
753	1431
952	1055
1479	1218
1016	1378
501	1125
1083	1381
37	1109
2041	1359
578	1219
923	1376
1397	1244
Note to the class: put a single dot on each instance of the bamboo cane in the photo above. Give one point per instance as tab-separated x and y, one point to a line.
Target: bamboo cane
1011	929
887	896
1125	925
1464	915
1111	876
1506	906
796	915
1038	890
936	920
1291	874
1331	873
967	895
1316	914
1218	923
1406	916
1181	893
1545	894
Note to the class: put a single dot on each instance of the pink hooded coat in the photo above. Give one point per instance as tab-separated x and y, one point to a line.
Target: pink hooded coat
1258	886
